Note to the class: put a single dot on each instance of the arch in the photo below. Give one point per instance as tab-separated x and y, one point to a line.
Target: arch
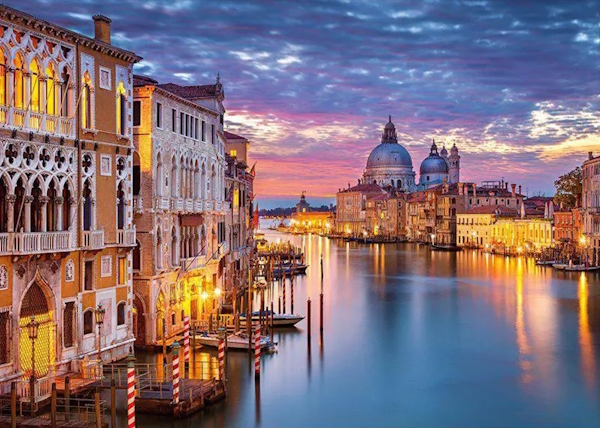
159	181
35	91
51	95
88	321
4	192
137	257
160	315
65	92
173	177
121	312
136	173
121	205
87	205
203	184
174	247
3	79
86	101
35	216
19	82
37	302
139	327
121	109
213	183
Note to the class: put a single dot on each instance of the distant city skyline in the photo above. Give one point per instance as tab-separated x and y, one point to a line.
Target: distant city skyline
312	83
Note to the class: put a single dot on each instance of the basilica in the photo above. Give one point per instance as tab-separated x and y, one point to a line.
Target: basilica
390	164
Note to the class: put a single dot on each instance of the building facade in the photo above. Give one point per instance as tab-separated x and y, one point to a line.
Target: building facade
66	219
591	207
179	175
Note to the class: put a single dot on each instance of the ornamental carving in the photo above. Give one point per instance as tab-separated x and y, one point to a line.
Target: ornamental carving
3	277
69	271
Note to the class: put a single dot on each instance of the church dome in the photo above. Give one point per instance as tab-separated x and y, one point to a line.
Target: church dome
389	153
434	163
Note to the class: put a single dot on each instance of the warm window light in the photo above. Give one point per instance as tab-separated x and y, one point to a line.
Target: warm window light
204	295
582	240
217	291
233	153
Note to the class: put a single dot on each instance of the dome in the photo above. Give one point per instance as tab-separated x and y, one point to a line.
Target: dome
389	154
444	152
434	164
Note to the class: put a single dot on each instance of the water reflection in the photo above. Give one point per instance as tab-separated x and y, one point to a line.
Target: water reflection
481	339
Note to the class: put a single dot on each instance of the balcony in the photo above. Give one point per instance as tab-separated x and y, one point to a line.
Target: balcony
218	205
197	205
177	204
209	205
193	263
93	239
161	203
126	237
189	205
138	204
35	242
36	121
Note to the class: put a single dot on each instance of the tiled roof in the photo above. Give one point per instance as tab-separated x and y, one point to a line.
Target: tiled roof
232	136
192	92
365	188
139	80
419	198
493	209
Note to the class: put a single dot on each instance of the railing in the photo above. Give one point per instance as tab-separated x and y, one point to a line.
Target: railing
177	204
189	205
138	203
43	388
161	203
197	205
209	205
126	236
218	206
34	120
93	239
193	263
35	242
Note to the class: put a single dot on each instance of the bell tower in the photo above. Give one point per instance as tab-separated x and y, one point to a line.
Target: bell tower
454	164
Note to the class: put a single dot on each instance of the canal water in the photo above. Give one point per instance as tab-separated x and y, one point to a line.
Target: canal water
415	338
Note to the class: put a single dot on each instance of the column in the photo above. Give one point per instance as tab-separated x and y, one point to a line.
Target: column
10	84
27	213
27	79
44	213
10	208
59	200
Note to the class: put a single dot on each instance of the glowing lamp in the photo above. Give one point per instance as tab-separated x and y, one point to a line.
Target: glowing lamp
32	328
204	295
217	291
582	240
100	312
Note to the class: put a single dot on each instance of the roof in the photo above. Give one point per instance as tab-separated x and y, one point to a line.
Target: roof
365	188
194	91
140	80
381	197
419	198
493	209
232	136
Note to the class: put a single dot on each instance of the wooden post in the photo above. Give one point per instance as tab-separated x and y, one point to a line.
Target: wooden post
272	320
175	347
13	404
308	316
292	293
67	395
113	404
186	345
53	406
164	341
131	391
321	311
249	310
279	306
97	408
221	354
257	351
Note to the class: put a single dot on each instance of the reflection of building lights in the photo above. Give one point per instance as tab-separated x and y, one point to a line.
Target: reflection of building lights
364	233
520	249
217	291
204	295
582	240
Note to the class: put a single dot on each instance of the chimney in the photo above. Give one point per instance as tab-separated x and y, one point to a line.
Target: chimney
102	28
520	189
590	155
506	185
460	189
474	190
514	186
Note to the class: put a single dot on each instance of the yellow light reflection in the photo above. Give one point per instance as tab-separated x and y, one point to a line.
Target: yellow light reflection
521	331
588	358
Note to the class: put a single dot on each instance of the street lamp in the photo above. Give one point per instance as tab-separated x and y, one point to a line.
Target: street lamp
100	312
32	331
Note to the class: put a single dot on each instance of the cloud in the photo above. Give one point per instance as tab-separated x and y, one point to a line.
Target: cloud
311	83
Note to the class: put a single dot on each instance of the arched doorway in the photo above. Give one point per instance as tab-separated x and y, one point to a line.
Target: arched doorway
139	326
160	316
35	303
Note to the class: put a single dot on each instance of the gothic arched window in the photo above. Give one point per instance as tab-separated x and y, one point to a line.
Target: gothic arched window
86	102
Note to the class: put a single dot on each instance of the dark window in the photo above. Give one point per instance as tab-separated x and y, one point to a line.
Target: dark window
121	313
181	126
88	279
182	315
173	120
136	256
196	128
212	134
123	118
4	338
68	320
137	112
88	322
136	180
173	318
159	115
203	131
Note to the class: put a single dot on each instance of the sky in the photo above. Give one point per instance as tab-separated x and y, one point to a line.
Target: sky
515	84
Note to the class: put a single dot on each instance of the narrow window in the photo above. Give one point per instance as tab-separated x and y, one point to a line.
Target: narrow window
233	153
158	115
122	272
88	322
212	135
86	102
137	113
203	131
68	320
88	279
136	256
181	127
3	80
4	338
196	128
173	120
121	313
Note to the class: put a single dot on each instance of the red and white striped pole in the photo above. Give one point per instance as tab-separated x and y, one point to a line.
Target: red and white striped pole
175	372
186	339
130	391
222	354
257	350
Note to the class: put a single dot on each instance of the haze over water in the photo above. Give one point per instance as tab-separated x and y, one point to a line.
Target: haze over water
417	338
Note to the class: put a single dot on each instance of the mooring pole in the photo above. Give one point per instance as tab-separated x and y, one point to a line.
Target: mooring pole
308	316
13	404
113	403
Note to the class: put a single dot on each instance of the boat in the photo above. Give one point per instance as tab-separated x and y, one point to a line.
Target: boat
445	247
581	268
279	320
234	341
298	269
546	262
560	266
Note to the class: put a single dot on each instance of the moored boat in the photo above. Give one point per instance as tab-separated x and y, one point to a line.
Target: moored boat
279	320
445	248
234	341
